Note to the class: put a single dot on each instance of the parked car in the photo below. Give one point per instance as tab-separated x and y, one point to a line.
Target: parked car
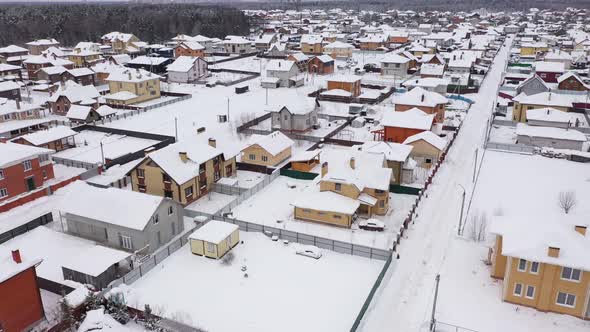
310	251
371	68
372	225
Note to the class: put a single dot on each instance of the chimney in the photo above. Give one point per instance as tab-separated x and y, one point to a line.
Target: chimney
352	162
324	169
183	156
553	252
212	142
580	229
16	256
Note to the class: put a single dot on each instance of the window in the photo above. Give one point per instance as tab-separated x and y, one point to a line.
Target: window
168	193
126	242
165	177
141	188
522	265
337	216
338	186
170	210
210	247
530	292
252	157
566	300
156	218
6	116
1	174
140	173
44	172
535	267
188	191
3	192
27	165
43	158
567	273
264	158
428	161
382	204
518	289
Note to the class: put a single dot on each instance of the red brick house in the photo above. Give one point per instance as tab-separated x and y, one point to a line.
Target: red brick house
398	126
21	307
23	168
189	48
323	64
34	63
82	76
572	82
549	71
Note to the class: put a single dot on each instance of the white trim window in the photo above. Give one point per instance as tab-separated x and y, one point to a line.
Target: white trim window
535	267
522	265
568	273
530	292
3	192
27	165
517	289
156	219
126	242
1	174
210	247
566	299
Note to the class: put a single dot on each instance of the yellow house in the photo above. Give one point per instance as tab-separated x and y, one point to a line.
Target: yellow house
427	148
214	239
131	86
121	42
531	49
84	58
543	262
312	44
522	103
269	150
183	171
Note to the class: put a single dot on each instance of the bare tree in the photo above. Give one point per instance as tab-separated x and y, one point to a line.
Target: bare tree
478	227
567	200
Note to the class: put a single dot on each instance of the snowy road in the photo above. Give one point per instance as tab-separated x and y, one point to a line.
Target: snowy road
404	301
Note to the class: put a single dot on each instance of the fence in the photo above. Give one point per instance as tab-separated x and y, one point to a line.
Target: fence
52	286
510	147
166	103
298	174
399	189
462	98
445	327
507	123
74	163
41	220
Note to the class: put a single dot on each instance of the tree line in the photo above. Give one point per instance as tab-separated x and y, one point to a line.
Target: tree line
70	24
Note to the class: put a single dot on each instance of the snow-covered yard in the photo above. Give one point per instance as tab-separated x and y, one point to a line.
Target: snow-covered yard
283	291
211	203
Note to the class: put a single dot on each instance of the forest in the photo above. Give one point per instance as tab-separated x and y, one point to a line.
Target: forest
72	23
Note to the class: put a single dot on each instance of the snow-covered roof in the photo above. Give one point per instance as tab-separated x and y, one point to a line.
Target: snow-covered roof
523	129
530	236
10	268
325	58
191	45
305	155
105	110
116	35
43	42
429	137
78	112
121	95
369	170
48	135
148	60
548	99
311	39
432	69
299	56
95	260
428	82
110	205
549	114
391	151
131	75
327	201
54	70
77	72
420	97
413	119
7	67
12	49
75	92
43	59
274	143
214	231
182	64
549	67
9	85
337	93
394	58
12	153
279	65
338	45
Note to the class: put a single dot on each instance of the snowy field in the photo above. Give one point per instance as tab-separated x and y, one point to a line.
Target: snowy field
211	203
283	291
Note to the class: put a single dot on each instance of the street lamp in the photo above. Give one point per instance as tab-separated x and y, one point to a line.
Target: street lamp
462	205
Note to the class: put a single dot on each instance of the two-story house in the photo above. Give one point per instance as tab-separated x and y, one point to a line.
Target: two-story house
129	86
428	102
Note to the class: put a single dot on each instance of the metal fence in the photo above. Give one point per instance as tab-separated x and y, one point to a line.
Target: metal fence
166	103
74	163
41	220
510	147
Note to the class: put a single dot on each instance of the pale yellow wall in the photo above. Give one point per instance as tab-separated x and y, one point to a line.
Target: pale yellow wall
498	260
79	60
382	196
259	152
141	89
199	247
423	149
311	48
347	189
532	50
519	110
331	218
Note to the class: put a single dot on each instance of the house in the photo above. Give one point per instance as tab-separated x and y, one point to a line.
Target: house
14	109
322	65
326	207
549	71
312	44
559	56
570	81
187	69
438	85
130	86
550	117
432	70
14	54
263	42
427	148
189	49
277	50
300	60
398	37
295	118
52	74
214	239
121	42
104	215
540	260
56	138
339	50
37	47
435	59
34	63
70	93
284	73
10	90
7	71
393	64
183	171
84	58
372	42
533	48
82	114
268	150
522	102
82	76
398	126
397	157
552	137
428	102
156	65
237	45
23	168
348	83
18	282
111	265
305	161
532	85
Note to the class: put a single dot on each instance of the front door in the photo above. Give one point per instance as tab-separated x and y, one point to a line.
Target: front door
30	182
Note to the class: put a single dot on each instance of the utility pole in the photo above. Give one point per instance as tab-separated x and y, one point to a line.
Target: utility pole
462	206
176	129
102	155
432	319
266	103
228	108
475	164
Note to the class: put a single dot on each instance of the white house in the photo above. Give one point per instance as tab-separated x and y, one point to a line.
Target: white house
187	69
394	65
284	73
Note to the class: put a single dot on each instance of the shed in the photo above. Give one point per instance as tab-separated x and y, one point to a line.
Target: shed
214	239
97	266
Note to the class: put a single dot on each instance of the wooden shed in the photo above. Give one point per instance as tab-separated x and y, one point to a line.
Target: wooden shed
214	239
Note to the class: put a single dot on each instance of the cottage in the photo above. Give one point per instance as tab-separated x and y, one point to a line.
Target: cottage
552	137
214	239
300	60
296	118
438	85
34	63
53	74
398	159
187	69
97	266
269	150
104	216
156	65
305	161
84	58
549	71
394	65
82	114
122	42
532	85
190	49
277	50
130	86
550	117
82	76
322	65
348	83
37	47
8	71
428	102
562	102
432	70
312	44
237	45
398	126
71	93
10	90
263	42
284	72
56	138
570	81
427	148
339	50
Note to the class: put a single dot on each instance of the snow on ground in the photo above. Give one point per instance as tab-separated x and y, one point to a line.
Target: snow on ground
283	291
503	134
50	305
211	203
63	172
248	179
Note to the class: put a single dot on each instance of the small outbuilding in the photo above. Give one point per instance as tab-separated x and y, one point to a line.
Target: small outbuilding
214	239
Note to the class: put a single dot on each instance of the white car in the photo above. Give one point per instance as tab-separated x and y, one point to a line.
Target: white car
372	225
310	251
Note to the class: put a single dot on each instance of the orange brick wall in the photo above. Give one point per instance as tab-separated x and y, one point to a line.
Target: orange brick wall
21	303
